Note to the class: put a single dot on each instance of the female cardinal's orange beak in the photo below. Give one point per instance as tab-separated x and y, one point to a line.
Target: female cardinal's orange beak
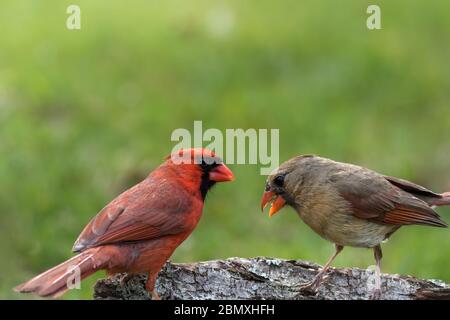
221	173
277	202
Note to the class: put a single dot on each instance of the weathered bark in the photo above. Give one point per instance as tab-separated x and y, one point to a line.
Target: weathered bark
265	278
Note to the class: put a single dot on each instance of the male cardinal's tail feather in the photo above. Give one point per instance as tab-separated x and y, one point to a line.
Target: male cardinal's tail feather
59	279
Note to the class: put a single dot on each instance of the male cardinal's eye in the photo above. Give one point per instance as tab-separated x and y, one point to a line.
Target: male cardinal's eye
209	163
207	166
279	181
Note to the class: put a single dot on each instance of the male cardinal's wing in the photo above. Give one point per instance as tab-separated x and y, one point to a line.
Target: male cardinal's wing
149	210
373	197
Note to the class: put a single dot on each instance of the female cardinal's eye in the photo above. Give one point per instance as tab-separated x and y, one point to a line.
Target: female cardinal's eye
279	181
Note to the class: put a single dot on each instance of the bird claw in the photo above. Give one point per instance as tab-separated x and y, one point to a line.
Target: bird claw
155	295
310	288
124	279
376	294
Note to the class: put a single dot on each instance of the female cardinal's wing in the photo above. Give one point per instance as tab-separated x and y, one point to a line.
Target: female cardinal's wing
410	187
149	210
373	197
430	197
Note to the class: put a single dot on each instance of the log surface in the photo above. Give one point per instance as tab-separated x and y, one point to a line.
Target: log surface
265	278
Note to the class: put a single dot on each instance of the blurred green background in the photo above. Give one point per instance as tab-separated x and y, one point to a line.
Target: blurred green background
86	114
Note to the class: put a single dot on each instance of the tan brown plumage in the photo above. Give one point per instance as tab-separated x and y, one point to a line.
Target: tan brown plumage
350	205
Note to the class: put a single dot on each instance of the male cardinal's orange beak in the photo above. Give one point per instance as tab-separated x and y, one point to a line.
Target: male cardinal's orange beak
221	173
277	202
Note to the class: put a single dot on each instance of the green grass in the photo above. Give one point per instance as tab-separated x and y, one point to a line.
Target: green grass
86	114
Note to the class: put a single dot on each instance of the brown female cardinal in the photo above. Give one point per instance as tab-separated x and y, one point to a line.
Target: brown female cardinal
350	205
139	230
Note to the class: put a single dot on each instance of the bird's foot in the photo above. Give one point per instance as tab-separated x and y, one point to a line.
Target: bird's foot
155	295
124	279
376	294
312	287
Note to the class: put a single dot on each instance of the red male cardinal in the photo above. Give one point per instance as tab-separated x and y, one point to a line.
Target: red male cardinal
139	230
350	205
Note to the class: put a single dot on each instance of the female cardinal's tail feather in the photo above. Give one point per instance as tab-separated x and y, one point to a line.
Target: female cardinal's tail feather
65	276
443	201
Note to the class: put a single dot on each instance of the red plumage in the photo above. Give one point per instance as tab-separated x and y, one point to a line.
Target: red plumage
139	230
